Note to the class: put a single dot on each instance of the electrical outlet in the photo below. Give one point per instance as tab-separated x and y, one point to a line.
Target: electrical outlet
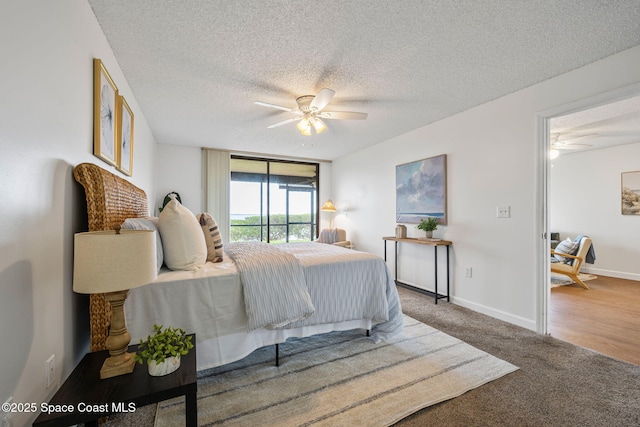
49	370
503	211
468	271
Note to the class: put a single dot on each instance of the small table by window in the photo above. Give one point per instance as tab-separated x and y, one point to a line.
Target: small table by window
92	398
435	244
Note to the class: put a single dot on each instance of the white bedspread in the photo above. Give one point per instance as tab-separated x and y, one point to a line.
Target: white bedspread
346	287
208	302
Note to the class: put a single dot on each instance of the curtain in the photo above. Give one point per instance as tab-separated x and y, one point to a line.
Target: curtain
216	177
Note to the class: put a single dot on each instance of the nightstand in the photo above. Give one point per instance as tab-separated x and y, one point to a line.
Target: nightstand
87	398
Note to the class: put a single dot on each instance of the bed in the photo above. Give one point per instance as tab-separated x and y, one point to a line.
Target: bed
348	289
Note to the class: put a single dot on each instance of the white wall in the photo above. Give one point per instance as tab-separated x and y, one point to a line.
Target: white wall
494	158
585	199
179	169
46	127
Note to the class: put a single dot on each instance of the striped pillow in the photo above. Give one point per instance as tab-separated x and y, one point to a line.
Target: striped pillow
566	247
211	236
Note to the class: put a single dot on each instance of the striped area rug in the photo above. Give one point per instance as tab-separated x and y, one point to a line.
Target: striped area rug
340	378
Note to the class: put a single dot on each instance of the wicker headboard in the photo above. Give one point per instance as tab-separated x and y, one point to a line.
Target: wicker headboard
110	200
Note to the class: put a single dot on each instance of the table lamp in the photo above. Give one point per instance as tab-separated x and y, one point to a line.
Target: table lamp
112	262
329	207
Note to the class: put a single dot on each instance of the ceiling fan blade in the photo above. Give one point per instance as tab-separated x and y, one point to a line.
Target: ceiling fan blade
284	122
564	146
570	137
574	146
342	115
322	99
266	104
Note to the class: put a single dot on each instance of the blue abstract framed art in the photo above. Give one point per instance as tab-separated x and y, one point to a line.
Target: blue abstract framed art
421	190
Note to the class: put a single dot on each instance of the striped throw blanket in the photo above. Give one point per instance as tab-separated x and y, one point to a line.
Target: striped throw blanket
275	290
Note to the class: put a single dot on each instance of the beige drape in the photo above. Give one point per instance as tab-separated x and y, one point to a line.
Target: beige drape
216	176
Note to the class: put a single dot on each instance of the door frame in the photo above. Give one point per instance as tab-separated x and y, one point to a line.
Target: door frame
543	183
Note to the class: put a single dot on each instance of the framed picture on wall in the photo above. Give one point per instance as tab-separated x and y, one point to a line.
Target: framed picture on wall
631	193
421	190
105	97
125	137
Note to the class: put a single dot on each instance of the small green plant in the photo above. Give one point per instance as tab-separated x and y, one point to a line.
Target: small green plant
162	344
429	224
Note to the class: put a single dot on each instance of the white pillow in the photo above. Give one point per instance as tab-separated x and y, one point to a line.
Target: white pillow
182	239
147	224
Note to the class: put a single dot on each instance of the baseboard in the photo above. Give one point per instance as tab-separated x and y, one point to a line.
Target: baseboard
611	273
498	314
501	315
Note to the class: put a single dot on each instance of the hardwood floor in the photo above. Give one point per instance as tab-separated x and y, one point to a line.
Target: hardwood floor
605	318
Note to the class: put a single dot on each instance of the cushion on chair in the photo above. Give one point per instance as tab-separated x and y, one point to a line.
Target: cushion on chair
332	235
328	235
566	247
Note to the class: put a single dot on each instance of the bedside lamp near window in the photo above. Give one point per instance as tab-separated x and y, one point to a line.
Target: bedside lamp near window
112	262
329	207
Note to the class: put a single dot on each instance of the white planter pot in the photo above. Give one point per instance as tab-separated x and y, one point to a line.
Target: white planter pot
169	365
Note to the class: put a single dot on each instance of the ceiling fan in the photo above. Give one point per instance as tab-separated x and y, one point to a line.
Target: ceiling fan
309	112
561	142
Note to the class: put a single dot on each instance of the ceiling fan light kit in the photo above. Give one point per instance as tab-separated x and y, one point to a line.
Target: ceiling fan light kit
310	113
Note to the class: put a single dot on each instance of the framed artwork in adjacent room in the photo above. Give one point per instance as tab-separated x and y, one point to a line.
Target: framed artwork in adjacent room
421	190
105	98
125	137
631	193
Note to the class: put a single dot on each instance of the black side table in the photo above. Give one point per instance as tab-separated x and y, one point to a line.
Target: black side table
87	398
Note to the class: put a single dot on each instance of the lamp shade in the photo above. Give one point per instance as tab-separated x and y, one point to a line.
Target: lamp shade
328	207
108	262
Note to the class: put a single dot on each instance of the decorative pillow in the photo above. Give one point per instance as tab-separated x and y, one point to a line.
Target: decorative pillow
183	243
211	236
566	247
147	224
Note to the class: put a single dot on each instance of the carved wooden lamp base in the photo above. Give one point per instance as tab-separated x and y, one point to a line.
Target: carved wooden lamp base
119	361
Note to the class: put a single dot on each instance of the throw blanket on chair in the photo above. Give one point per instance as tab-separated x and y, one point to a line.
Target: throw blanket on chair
328	235
590	258
275	289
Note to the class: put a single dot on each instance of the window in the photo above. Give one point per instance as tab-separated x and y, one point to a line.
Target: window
273	201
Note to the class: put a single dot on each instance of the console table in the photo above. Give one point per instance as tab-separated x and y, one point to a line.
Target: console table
84	397
435	244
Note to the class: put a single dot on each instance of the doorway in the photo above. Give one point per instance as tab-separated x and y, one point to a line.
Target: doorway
578	129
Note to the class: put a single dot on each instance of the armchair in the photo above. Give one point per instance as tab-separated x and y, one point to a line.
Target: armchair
334	236
573	269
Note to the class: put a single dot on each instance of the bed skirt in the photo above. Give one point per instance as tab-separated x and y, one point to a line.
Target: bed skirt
230	348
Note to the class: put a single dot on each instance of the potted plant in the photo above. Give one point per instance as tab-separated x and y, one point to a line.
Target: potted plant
163	349
428	226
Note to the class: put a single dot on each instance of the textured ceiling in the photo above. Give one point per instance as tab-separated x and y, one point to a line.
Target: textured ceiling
196	67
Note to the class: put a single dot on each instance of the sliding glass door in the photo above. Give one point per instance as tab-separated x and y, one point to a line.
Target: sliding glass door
273	201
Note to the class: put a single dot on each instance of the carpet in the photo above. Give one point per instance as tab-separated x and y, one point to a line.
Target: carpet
561	280
340	378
